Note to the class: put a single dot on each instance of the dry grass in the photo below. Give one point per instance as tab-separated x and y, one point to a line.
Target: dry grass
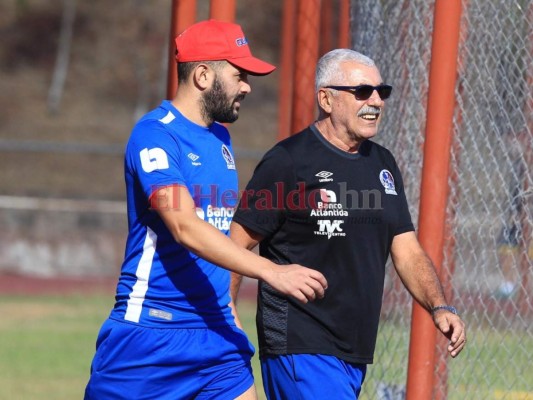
116	54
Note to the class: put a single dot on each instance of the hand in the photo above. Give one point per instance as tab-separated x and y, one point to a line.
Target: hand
453	327
304	284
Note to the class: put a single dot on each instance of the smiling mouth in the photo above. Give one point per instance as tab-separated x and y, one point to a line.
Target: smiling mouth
370	117
369	113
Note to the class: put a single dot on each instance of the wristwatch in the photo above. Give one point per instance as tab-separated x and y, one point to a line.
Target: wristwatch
451	309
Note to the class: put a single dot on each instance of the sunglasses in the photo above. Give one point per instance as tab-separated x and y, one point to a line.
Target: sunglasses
363	92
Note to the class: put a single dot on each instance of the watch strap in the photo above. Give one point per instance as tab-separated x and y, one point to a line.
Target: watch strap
451	309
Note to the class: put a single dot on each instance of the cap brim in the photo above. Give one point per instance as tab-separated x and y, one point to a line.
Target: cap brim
252	65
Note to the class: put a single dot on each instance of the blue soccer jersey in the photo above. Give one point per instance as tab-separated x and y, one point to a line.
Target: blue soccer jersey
162	284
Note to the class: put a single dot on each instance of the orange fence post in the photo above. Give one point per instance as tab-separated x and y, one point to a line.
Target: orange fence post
307	39
223	10
326	26
434	187
183	14
441	379
286	87
344	25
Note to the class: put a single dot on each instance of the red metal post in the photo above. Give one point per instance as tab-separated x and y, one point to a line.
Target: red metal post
286	87
434	187
441	378
307	39
223	10
326	26
183	14
344	25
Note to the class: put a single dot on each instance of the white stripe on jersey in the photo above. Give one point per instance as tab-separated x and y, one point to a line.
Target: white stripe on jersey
137	295
167	119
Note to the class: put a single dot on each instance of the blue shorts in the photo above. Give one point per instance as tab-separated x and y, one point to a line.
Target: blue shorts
134	362
311	376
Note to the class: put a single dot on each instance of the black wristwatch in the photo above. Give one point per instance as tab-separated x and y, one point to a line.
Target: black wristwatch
451	309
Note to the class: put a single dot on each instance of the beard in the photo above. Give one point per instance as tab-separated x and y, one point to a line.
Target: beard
217	107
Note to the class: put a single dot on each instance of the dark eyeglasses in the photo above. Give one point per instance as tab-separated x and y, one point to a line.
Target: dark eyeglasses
363	92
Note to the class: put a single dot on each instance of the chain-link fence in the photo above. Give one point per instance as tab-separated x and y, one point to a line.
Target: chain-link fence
489	250
489	254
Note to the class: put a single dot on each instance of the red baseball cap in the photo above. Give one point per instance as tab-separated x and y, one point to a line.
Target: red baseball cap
216	40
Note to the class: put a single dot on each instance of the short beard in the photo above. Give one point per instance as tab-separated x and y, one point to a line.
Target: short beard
216	106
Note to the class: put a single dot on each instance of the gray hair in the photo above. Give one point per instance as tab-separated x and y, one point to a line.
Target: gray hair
328	67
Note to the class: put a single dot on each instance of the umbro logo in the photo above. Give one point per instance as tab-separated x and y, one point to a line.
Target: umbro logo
193	157
325	176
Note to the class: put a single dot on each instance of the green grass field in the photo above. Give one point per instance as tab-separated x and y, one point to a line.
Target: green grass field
47	344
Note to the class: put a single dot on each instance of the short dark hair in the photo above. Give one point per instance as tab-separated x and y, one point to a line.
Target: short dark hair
185	68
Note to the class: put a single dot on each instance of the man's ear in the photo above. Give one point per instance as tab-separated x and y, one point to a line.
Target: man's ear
203	76
324	99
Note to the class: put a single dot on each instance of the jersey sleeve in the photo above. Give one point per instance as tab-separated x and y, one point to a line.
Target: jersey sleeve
153	157
261	207
404	222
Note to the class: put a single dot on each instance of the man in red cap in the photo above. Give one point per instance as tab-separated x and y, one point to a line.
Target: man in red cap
171	333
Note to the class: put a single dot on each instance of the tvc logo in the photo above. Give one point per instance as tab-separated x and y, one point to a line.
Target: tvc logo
330	228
